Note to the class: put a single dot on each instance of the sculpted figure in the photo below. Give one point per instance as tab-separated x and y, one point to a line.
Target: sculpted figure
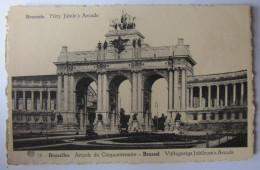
177	117
134	43
119	44
59	119
139	42
135	116
105	45
99	45
124	119
100	116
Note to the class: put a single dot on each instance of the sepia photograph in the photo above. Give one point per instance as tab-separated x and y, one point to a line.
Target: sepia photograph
132	82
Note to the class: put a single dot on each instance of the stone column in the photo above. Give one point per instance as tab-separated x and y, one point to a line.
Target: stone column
175	91
200	96
107	96
139	91
81	121
183	88
58	96
242	95
40	100
187	97
209	96
99	88
134	92
134	54
15	99
240	115
225	116
217	96
199	116
191	97
85	121
49	100
71	98
146	121
139	49
66	93
234	94
32	100
216	116
208	116
113	115
105	109
75	99
170	86
226	94
24	100
233	116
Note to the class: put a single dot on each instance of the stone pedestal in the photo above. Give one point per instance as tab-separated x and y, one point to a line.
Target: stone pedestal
134	126
114	128
59	128
176	127
99	126
172	126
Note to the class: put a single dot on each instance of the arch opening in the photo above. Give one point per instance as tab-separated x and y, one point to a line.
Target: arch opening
86	102
155	102
119	102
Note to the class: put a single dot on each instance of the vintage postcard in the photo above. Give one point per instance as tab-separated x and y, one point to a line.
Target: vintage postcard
129	84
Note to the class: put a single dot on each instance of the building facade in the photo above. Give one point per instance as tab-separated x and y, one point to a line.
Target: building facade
67	101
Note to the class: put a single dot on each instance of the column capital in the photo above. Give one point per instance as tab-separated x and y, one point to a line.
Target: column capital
102	72
175	69
170	69
136	71
61	74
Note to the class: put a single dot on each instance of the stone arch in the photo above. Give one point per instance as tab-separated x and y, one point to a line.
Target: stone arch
85	102
113	105
111	76
78	77
152	77
148	82
160	73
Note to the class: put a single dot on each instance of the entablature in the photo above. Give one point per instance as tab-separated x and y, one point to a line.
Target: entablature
124	64
14	88
218	109
218	77
215	83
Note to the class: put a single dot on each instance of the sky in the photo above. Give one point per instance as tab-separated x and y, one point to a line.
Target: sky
219	38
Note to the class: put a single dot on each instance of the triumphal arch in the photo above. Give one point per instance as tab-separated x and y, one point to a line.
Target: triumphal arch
123	55
67	102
